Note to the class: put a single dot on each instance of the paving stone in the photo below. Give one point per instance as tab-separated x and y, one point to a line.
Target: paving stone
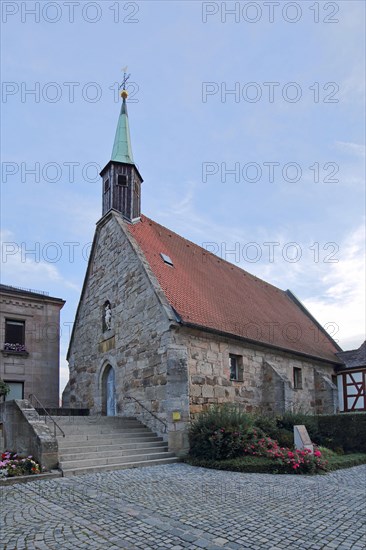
178	507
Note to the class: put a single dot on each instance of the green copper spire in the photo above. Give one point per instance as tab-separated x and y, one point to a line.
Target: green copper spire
122	150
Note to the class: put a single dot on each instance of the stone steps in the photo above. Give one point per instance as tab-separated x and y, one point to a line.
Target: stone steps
95	421
148	454
96	430
98	441
77	438
110	467
99	444
117	450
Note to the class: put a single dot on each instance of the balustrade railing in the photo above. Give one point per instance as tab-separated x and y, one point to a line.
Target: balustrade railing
31	398
165	425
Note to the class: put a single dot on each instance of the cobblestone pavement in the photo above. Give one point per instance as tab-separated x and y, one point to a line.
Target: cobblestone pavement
177	506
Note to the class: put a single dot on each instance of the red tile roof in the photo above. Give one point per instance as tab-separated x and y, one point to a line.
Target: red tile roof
213	293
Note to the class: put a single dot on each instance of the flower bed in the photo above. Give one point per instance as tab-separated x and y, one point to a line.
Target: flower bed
221	434
13	465
297	461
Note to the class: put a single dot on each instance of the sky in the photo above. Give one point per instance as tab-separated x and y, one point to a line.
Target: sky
247	125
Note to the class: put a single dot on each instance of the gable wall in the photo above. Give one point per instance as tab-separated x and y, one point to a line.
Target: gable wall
138	346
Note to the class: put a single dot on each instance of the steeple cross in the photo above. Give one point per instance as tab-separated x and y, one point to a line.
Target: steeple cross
125	78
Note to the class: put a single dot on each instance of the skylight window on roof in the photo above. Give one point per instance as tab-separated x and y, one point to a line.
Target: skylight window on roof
167	259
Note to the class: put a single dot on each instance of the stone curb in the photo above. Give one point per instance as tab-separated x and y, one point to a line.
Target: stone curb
25	479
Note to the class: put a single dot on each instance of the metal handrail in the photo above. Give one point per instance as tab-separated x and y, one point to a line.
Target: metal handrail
32	396
150	412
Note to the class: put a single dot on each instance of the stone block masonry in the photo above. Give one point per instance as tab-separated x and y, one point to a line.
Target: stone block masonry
266	380
139	346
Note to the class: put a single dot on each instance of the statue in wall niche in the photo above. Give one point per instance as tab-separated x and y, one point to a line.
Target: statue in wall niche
108	316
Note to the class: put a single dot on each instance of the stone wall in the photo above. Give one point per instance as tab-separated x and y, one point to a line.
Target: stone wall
138	346
27	434
267	377
326	393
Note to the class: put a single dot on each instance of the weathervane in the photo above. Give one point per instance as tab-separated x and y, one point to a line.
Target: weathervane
124	93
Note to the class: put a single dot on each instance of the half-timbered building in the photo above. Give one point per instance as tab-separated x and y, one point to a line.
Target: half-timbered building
352	380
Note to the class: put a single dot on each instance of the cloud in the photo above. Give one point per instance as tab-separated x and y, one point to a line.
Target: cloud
27	268
342	301
328	279
353	148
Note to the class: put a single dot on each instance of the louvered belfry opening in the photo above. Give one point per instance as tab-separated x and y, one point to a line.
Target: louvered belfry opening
121	178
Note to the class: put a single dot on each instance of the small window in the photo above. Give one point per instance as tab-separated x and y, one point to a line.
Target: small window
236	367
167	259
297	378
106	185
122	180
16	390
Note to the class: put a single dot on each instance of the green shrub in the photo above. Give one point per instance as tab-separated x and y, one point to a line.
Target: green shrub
288	420
219	432
222	432
285	438
327	453
268	425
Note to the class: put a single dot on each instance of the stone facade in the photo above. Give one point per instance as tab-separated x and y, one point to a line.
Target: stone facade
165	368
149	365
36	368
266	381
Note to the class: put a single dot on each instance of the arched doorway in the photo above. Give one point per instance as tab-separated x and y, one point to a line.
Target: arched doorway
109	391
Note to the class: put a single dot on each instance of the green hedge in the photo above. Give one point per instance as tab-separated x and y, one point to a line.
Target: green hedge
343	432
247	464
346	461
222	432
262	465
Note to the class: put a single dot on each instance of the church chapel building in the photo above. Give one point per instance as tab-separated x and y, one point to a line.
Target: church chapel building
167	327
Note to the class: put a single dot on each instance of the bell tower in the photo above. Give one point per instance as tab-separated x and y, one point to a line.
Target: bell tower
121	180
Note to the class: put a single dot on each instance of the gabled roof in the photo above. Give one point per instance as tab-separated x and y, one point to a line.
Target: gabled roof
208	292
353	358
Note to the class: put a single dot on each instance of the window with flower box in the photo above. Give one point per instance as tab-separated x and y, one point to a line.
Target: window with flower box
14	335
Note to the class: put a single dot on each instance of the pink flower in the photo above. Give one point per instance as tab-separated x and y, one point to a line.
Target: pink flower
317	453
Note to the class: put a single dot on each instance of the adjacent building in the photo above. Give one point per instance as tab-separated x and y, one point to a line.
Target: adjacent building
352	380
167	327
29	344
